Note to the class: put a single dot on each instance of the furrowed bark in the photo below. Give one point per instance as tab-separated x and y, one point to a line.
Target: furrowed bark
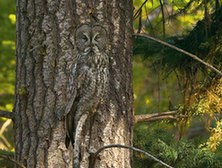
44	44
44	50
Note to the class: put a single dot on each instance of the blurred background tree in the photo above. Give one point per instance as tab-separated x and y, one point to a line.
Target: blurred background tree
7	69
164	80
7	75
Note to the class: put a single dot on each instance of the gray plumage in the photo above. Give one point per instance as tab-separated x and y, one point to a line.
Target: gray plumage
88	78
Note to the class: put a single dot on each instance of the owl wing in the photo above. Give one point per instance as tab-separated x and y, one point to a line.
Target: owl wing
71	89
70	111
73	95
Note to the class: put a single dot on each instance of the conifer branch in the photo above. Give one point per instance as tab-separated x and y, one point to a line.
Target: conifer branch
180	50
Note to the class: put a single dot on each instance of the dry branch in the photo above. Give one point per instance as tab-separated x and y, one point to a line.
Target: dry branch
157	116
180	50
7	114
94	155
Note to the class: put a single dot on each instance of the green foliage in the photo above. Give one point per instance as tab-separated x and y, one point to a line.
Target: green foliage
185	154
23	90
201	41
173	60
179	154
7	64
209	99
145	82
5	163
196	83
7	52
179	16
215	140
145	136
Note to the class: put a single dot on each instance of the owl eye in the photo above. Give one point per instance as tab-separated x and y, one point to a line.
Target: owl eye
97	37
84	37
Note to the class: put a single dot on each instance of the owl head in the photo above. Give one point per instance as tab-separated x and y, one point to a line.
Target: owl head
90	38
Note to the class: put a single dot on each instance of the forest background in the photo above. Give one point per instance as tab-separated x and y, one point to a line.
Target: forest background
164	80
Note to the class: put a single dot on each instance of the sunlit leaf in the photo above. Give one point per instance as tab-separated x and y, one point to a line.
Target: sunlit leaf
12	18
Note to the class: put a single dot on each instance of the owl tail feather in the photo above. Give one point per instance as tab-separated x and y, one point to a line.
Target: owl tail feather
69	124
67	141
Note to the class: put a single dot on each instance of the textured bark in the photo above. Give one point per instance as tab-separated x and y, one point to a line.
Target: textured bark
44	51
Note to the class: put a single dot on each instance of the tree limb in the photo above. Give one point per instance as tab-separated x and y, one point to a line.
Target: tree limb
7	114
12	160
180	50
158	116
95	154
137	12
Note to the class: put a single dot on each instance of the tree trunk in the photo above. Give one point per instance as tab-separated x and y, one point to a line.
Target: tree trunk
44	50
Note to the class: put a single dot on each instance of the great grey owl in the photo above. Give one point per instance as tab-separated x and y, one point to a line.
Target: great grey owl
89	76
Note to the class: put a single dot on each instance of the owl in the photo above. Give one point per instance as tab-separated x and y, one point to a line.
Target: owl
88	78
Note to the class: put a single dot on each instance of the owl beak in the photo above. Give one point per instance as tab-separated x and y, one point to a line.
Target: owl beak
91	48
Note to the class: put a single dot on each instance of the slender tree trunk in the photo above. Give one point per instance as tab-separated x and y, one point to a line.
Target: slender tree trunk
44	50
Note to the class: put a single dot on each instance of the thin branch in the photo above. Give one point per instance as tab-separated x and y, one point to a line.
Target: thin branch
7	114
157	116
140	22
180	50
163	18
12	160
137	12
94	155
160	118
